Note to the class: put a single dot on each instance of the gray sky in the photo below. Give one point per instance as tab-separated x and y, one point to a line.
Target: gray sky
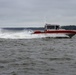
29	13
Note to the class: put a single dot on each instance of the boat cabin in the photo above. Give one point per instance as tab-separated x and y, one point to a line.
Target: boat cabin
51	27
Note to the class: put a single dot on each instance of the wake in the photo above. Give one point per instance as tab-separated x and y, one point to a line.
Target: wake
24	34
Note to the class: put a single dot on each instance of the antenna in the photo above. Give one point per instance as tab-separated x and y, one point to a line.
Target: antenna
45	20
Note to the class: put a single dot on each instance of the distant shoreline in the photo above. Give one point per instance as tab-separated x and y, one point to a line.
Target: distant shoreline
68	27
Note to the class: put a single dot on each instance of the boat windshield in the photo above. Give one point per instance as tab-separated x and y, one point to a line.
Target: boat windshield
50	27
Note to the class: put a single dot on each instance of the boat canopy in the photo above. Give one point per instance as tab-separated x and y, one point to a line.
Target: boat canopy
51	27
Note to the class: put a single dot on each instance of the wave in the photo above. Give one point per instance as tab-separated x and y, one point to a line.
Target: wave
15	33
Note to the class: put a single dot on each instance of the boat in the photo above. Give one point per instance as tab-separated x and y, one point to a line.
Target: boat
55	31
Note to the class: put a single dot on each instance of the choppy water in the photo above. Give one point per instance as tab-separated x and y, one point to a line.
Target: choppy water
38	56
24	54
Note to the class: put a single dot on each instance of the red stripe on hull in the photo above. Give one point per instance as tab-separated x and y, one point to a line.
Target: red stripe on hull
56	31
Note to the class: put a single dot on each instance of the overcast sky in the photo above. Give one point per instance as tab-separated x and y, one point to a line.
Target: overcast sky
30	13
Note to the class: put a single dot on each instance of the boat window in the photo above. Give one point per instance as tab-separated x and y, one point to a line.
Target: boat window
50	27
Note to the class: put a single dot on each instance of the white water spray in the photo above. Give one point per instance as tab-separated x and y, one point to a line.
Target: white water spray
24	34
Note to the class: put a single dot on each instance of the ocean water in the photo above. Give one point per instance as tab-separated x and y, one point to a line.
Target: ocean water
25	54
